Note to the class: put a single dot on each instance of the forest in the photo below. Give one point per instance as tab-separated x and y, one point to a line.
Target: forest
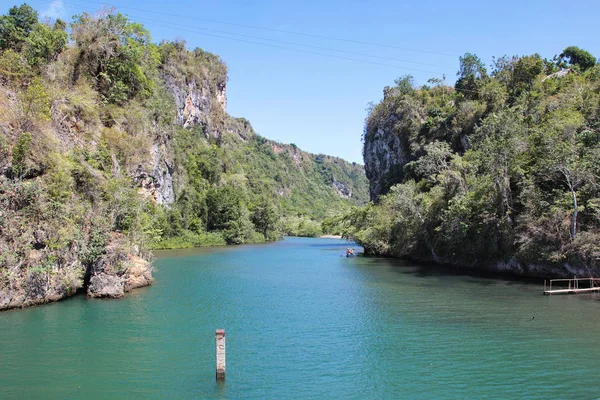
500	170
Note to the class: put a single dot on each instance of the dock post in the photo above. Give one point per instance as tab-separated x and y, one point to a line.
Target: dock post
220	341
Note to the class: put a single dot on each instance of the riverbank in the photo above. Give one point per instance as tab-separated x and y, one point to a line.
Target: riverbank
118	271
331	236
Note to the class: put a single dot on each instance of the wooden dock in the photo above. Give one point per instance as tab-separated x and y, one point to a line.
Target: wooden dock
572	286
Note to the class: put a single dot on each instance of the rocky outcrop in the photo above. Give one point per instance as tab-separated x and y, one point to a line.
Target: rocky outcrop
387	147
158	184
105	285
195	104
138	275
25	288
118	271
384	152
342	189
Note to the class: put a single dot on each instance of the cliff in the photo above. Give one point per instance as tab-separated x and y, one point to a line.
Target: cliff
111	145
499	172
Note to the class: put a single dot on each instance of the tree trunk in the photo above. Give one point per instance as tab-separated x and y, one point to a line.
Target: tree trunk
574	217
573	230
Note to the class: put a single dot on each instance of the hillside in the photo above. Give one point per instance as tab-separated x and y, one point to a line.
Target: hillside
111	145
499	172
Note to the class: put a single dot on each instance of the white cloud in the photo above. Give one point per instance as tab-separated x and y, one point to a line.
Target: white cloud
55	10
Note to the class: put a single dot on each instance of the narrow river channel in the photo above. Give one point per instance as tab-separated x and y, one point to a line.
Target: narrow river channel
302	321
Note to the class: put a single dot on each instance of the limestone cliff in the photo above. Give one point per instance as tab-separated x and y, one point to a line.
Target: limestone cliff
108	151
483	182
384	151
387	141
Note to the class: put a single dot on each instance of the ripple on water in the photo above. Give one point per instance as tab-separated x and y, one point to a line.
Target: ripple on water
303	322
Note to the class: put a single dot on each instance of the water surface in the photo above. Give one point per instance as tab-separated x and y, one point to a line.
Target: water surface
303	322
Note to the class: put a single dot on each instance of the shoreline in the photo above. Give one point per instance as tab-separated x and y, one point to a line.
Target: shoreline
330	236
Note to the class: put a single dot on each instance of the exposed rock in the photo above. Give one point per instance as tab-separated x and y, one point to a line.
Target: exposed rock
194	102
23	288
559	74
162	174
383	152
222	96
342	190
139	274
105	285
118	271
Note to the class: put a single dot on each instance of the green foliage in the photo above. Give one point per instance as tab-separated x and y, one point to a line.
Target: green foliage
190	239
19	155
301	226
505	168
198	65
44	43
14	67
34	104
471	74
573	55
16	26
266	219
117	54
60	182
526	69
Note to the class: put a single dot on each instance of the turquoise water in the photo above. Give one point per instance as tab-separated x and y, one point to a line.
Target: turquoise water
303	322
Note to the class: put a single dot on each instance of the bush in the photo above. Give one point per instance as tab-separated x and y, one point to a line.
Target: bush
19	155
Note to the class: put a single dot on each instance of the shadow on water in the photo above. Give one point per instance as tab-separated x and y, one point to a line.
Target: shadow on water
332	245
478	276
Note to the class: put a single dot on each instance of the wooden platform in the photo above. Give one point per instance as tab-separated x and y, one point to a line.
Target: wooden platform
572	286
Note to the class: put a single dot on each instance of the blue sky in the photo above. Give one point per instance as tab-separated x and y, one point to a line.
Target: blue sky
319	102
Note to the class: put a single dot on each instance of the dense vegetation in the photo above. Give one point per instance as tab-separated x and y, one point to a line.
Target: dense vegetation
89	127
502	167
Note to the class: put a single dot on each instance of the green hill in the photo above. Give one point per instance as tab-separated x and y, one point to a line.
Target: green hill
499	172
111	145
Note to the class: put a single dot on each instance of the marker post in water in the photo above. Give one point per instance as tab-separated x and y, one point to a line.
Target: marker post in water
220	341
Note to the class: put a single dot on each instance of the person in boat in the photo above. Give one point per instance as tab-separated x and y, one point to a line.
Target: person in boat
349	252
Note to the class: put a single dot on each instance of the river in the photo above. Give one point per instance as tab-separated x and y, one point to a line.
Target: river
303	322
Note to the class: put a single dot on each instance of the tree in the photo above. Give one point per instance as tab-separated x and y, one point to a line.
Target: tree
227	213
471	66
16	26
265	218
526	69
34	104
44	43
405	84
19	156
471	73
573	55
435	160
567	156
117	53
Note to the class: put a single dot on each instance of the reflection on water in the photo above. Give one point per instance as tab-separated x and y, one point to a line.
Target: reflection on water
303	321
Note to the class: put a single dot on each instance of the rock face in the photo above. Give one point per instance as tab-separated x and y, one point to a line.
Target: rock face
105	285
342	189
387	146
37	287
383	152
118	271
195	103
